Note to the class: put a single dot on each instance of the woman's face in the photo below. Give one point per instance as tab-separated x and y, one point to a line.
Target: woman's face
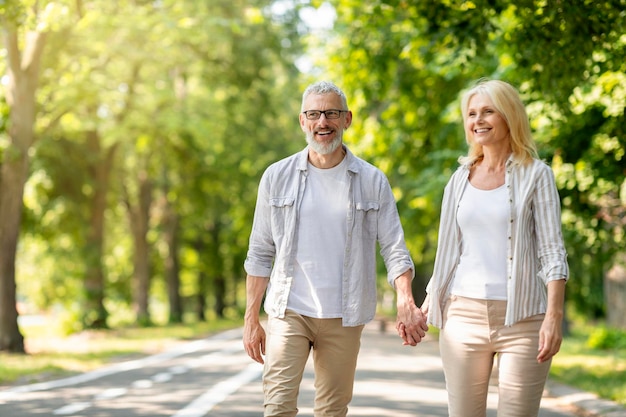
483	124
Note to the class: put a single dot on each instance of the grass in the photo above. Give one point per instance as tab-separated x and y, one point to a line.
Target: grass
50	356
601	371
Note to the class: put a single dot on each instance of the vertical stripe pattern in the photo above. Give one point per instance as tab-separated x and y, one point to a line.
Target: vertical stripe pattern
536	250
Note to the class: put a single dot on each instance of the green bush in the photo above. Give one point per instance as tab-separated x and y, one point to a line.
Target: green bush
606	338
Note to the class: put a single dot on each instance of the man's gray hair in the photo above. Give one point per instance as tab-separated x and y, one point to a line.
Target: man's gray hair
325	87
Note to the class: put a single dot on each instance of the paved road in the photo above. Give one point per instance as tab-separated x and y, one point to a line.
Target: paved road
214	377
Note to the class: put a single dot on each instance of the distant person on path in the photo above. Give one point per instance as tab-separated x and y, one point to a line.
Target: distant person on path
498	284
318	216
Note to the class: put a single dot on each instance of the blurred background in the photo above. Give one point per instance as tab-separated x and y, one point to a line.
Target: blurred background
133	135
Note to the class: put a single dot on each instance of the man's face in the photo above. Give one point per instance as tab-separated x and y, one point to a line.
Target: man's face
324	135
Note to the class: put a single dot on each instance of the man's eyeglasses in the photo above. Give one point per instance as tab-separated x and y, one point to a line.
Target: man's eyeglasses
330	114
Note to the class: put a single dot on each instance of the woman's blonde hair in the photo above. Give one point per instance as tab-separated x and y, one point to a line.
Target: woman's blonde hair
508	103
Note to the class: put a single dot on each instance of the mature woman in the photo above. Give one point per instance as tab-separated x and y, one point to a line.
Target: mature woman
498	284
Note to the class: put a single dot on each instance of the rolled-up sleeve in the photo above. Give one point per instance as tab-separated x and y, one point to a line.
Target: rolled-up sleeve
550	248
391	237
261	250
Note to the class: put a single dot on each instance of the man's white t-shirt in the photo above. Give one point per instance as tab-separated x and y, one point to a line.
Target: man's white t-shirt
316	287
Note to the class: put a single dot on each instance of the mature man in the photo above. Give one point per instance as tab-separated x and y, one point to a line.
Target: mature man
318	217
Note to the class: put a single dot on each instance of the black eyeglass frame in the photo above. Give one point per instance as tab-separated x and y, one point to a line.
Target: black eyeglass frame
306	113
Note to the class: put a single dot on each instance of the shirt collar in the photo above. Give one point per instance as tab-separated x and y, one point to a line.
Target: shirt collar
303	159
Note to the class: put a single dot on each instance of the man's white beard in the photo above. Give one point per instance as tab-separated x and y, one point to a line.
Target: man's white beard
324	149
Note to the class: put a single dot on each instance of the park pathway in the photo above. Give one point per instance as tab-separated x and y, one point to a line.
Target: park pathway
214	377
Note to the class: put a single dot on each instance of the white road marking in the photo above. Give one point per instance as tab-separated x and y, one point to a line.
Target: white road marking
162	377
178	369
216	340
142	384
110	393
71	409
203	404
197	408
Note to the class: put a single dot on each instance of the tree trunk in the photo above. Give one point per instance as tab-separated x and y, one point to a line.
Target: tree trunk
201	303
615	293
219	288
95	313
23	77
172	268
202	283
218	283
13	175
139	215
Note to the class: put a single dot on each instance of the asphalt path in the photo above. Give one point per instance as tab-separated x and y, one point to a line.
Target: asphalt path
214	377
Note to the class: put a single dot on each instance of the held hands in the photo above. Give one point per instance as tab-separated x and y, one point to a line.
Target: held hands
411	321
254	340
411	324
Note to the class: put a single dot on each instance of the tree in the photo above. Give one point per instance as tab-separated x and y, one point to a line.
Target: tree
139	219
405	63
158	119
229	120
23	65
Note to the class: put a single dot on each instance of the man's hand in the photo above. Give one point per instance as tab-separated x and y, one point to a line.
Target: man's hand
254	340
411	324
411	321
253	332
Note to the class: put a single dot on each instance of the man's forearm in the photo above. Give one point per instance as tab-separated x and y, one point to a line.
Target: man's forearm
403	286
255	289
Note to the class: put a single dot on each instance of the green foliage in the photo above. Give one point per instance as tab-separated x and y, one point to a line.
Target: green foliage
71	320
11	11
200	97
593	369
606	338
4	115
196	97
404	65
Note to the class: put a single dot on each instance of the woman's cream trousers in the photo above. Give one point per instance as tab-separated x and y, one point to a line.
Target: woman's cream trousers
473	334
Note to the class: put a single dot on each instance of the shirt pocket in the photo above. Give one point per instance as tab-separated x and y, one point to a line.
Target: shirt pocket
366	219
282	213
